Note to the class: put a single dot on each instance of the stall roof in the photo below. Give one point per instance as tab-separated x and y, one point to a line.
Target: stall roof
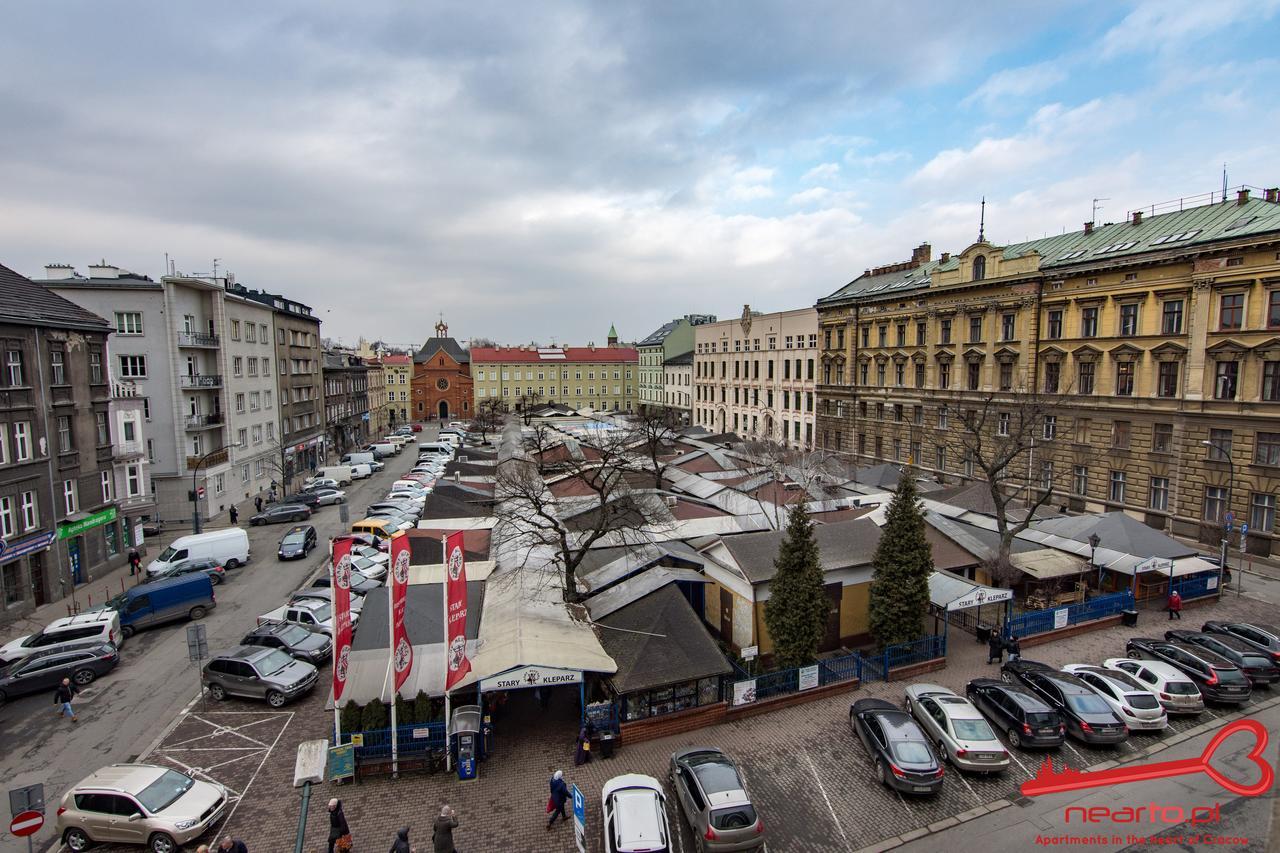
1117	531
1046	563
659	640
952	592
635	588
603	566
840	545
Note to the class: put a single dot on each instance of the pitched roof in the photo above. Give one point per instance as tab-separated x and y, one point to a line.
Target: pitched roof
673	647
25	303
396	359
1118	532
842	544
681	359
659	335
552	355
448	346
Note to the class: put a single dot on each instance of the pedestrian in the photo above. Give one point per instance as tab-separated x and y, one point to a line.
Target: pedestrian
995	647
234	513
442	831
1015	650
339	832
232	845
135	562
271	495
401	844
583	753
559	795
62	697
1175	605
257	502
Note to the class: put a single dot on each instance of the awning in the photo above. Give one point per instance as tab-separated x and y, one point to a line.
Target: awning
1182	567
952	592
1047	563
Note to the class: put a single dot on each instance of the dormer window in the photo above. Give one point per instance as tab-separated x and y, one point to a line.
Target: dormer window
979	267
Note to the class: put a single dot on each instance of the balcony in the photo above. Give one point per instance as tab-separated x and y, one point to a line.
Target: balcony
195	339
135	502
200	380
218	457
195	422
125	390
123	450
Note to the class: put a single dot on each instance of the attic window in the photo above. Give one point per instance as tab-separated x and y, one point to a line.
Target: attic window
979	267
1240	223
1071	255
1175	238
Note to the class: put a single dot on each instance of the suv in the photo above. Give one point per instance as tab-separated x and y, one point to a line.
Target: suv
1176	693
300	643
81	662
297	543
1219	679
635	814
1024	718
258	673
1256	664
139	804
715	801
1088	717
100	625
212	568
1264	637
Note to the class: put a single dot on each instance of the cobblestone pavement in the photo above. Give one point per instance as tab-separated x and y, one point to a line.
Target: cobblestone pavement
808	775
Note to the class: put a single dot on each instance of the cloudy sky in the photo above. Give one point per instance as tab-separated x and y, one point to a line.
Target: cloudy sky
539	171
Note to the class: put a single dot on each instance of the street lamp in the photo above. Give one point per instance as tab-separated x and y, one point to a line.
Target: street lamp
195	473
1094	539
1231	468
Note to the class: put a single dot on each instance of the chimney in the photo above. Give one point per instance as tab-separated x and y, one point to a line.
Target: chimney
1137	217
1273	195
1242	197
1088	228
102	269
57	271
946	256
921	254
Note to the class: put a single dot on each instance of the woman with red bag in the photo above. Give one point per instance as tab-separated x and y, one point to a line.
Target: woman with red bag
559	795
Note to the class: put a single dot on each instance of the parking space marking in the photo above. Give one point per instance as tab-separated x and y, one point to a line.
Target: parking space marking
960	776
1068	745
821	788
1020	764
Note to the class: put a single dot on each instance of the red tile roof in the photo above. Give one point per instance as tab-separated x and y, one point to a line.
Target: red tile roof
548	355
397	359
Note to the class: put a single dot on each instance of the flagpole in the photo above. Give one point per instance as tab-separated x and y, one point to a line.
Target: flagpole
390	665
333	585
444	605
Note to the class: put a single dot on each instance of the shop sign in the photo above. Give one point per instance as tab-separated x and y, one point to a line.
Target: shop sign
744	692
980	596
531	676
75	528
1059	618
808	677
23	547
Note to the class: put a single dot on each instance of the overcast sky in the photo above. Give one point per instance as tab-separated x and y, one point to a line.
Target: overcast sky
541	170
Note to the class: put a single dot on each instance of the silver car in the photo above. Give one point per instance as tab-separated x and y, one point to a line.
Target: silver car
714	800
1132	702
957	728
258	673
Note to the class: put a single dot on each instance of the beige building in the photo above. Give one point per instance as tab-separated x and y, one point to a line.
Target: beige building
397	378
755	376
1156	340
379	402
590	377
677	385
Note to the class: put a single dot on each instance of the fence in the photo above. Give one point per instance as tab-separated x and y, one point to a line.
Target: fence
1039	621
414	740
1197	587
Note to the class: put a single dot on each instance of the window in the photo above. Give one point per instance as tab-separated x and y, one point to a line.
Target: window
1050	427
253	367
1162	438
944	375
128	322
1080	480
240	403
250	335
1006	376
1002	424
1266	451
899	374
866	336
1120	432
1124	379
943	418
104	430
69	500
237	366
1271	381
1117	487
944	331
1129	319
4	444
1167	379
1226	378
1219	445
1089	322
902	334
13	361
919	375
1055	324
921	333
30	515
21	441
979	268
1046	475
975	328
58	367
839	338
1007	327
1171	317
7	528
65	444
95	368
235	328
133	367
880	367
263	333
133	480
106	487
975	375
1052	376
1158	499
1273	309
897	412
1215	503
884	336
1231	311
1262	512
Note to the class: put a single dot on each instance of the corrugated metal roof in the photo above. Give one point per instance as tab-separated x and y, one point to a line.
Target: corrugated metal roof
636	588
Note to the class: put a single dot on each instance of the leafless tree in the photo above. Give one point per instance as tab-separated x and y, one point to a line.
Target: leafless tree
652	432
805	468
525	404
489	417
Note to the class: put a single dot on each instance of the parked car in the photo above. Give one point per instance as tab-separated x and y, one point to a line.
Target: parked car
315	483
360	584
1127	698
323	593
635	814
330	497
903	758
82	662
367	540
1087	717
714	800
1175	692
962	737
216	572
310	613
1025	718
281	513
166	600
371	569
102	626
300	643
307	498
400	517
139	804
229	546
1264	637
1219	679
1256	664
297	543
258	673
402	507
370	553
416	427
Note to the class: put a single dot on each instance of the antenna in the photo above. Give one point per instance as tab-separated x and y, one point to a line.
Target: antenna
215	268
1093	217
982	221
1224	183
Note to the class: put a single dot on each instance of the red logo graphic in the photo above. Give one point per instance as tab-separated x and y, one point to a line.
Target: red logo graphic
1049	781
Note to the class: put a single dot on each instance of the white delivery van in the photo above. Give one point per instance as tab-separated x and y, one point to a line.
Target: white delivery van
229	546
450	438
384	448
361	470
440	448
341	473
356	458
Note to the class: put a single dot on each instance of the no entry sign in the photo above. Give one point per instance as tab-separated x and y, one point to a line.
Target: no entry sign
26	823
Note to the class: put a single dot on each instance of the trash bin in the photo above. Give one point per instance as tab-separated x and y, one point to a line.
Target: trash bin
983	632
1129	618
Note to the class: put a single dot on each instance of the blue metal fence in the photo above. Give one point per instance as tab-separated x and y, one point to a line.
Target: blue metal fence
917	651
1039	621
1197	586
413	740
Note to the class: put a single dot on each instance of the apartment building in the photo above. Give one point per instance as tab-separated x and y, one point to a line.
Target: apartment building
583	378
756	376
1156	341
251	393
677	385
397	379
346	401
669	341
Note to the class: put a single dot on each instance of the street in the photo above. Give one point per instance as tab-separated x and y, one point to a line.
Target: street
122	714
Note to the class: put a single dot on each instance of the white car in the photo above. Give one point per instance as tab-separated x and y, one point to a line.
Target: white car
102	626
635	815
1125	695
1176	693
370	569
329	496
370	554
962	735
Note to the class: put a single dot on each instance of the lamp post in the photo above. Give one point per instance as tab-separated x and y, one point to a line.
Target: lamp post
195	473
1231	468
1094	539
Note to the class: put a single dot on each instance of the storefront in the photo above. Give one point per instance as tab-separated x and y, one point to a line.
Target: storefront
24	571
93	541
642	704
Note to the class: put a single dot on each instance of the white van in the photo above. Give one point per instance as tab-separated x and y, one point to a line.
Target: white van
229	546
451	438
357	458
384	448
440	448
361	470
341	473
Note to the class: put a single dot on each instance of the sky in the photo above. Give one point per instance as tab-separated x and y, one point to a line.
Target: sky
537	172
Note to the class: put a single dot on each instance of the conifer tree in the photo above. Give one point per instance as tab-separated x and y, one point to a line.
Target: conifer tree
903	562
796	613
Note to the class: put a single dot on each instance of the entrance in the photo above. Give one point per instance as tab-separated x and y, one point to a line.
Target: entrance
35	563
73	552
831	640
444	410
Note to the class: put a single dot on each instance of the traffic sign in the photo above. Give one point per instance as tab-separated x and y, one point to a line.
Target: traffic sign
27	798
197	642
1244	528
26	823
579	820
1231	516
200	491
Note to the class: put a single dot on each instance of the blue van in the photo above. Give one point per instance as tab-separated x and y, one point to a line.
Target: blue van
183	597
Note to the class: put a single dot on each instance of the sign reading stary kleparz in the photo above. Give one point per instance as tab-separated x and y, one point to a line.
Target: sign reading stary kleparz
531	676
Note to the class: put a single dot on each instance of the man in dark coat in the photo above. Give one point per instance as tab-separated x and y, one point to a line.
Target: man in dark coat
337	823
257	502
234	513
135	562
232	845
442	831
995	647
62	697
559	796
1015	650
401	844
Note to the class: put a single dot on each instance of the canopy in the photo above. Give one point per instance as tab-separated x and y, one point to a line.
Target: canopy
1047	563
952	592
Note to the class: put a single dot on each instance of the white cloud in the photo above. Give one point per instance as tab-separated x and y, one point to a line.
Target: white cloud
821	172
1168	26
812	195
1011	83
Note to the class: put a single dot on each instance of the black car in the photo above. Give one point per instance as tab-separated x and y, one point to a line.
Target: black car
301	644
81	662
297	543
1263	637
1087	716
308	498
1256	664
1013	709
903	756
1219	679
281	513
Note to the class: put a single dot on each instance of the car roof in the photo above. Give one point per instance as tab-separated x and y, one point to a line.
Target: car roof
82	619
1062	680
630	780
1207	655
1167	671
1025	699
127	778
245	653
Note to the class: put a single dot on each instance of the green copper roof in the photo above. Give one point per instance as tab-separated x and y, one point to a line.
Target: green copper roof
613	333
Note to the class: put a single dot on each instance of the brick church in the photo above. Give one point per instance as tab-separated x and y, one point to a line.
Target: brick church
441	378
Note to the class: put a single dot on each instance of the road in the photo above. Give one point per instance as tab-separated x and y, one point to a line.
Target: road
121	714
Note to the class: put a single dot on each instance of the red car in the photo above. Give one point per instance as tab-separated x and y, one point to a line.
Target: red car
416	427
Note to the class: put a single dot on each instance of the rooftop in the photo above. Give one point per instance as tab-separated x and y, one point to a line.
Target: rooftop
551	355
25	303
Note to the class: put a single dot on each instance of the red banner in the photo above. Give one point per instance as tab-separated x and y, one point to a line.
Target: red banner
455	608
340	582
401	648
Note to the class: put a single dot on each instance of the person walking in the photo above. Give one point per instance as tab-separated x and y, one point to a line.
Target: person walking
559	796
234	513
339	832
135	562
995	647
232	845
442	831
583	753
1014	649
1175	605
401	844
62	697
257	502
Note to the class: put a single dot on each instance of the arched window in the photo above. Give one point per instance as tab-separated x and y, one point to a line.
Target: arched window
980	268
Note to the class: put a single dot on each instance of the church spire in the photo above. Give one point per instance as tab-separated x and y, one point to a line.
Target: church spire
442	328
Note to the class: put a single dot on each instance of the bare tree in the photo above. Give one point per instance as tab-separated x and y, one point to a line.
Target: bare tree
489	417
652	431
805	468
526	402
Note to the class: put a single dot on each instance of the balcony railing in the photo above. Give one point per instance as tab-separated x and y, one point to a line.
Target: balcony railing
124	390
201	380
135	501
195	339
127	449
204	421
219	457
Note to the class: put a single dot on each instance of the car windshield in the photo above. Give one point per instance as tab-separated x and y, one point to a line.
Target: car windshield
274	661
717	776
116	603
294	539
912	752
323	612
1041	719
1141	701
734	817
973	730
1087	704
293	634
1254	660
1181	688
165	791
167	554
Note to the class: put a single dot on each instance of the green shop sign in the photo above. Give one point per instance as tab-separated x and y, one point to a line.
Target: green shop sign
74	528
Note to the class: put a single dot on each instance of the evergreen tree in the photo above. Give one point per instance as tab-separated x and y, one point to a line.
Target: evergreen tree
903	562
796	613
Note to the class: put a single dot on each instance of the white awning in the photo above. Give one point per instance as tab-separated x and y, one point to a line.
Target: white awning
953	592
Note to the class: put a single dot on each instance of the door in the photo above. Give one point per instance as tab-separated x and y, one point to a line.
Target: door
831	640
726	616
36	564
444	410
139	612
73	554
